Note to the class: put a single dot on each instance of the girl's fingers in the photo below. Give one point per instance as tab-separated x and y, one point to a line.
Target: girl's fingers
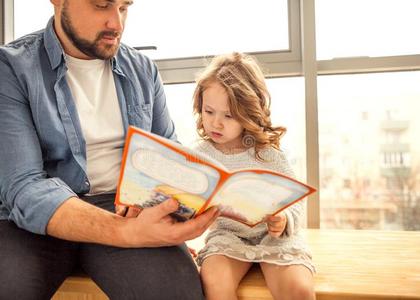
274	218
276	224
192	252
275	233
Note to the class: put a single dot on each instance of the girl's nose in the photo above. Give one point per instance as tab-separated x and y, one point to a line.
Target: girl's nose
217	122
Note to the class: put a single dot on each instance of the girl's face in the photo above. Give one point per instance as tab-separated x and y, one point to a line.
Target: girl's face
218	123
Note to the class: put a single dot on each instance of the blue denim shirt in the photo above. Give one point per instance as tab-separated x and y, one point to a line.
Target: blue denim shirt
42	149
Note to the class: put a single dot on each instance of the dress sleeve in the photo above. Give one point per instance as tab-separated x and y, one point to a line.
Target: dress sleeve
295	212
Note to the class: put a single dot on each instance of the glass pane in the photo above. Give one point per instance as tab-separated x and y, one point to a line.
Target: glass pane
31	15
370	151
179	101
287	110
367	28
187	28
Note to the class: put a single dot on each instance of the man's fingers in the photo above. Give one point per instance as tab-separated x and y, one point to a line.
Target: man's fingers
193	228
168	219
120	209
125	211
133	212
163	230
163	209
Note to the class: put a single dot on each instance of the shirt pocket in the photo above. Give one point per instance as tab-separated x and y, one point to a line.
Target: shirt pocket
141	115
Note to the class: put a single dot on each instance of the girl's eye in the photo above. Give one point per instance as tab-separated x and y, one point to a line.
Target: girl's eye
228	116
208	112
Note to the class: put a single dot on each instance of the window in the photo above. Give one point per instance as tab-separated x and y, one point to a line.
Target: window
389	165
189	28
26	21
186	32
367	28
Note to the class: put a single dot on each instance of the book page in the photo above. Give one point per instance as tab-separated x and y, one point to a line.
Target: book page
248	196
154	173
190	151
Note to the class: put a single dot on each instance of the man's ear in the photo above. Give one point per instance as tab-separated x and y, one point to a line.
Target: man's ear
56	2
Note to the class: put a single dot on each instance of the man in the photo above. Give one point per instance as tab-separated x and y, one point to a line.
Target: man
67	96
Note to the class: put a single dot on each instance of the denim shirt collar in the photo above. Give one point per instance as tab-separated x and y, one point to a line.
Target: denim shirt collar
115	65
56	52
52	45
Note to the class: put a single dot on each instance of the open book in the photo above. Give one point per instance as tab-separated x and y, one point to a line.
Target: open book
155	169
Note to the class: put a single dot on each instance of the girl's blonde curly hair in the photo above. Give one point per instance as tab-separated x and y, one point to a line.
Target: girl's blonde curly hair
249	99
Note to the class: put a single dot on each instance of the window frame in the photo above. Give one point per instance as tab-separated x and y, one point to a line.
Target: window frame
6	21
276	63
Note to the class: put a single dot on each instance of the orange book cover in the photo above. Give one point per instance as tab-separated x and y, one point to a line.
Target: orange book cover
155	169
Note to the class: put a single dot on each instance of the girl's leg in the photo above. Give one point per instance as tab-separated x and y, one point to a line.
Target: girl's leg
221	276
289	282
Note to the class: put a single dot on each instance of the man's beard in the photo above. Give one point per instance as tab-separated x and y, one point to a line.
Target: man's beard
91	49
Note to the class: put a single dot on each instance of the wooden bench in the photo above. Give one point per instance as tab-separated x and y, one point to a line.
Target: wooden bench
368	265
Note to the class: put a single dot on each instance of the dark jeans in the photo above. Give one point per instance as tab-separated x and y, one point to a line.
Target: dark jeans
34	266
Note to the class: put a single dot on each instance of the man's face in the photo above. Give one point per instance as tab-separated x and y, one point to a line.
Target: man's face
94	27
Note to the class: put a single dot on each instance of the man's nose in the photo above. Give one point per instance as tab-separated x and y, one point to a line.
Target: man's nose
116	20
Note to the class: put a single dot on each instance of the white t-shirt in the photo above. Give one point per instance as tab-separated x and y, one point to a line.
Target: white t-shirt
93	88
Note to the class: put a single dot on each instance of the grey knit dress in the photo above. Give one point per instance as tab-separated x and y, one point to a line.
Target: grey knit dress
236	240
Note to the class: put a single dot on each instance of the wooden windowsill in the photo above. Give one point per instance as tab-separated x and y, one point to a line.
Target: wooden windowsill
351	264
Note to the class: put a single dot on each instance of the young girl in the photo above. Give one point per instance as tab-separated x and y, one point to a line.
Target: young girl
231	103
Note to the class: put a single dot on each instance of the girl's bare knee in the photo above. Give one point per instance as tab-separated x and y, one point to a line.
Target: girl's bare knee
302	291
217	284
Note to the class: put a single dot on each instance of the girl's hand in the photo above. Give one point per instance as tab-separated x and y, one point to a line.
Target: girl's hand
192	252
276	224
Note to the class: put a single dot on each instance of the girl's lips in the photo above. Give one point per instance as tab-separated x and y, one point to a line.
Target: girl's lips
216	134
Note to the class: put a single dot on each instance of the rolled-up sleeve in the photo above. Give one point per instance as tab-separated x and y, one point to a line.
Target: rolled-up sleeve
28	194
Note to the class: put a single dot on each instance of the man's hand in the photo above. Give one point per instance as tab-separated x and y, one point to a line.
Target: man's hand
153	227
276	224
125	211
77	220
